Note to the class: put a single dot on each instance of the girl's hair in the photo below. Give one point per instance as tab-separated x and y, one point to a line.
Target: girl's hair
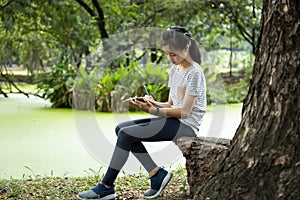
178	37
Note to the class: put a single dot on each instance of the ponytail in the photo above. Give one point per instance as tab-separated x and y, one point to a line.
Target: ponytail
195	52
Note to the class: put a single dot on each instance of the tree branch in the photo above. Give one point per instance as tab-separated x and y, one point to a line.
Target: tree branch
100	19
87	8
11	82
242	30
151	18
3	93
233	16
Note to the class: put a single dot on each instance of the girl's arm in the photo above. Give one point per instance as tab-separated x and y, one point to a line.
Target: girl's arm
180	112
167	104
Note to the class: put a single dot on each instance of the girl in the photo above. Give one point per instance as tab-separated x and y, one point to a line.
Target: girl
180	116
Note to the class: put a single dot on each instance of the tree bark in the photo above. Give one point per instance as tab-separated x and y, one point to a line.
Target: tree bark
264	159
201	153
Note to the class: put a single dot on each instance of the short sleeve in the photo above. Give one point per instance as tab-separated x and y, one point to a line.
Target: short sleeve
196	83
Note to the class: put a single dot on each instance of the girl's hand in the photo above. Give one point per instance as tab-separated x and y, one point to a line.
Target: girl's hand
141	105
149	98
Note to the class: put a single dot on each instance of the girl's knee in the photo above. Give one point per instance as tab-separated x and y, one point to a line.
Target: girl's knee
117	129
124	140
122	135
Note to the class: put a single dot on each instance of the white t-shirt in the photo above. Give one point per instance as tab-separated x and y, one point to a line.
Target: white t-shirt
191	82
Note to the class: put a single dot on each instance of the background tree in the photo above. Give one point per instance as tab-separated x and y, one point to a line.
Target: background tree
38	34
55	35
264	159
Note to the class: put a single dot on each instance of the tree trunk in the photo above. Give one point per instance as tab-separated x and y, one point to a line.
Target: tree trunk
264	159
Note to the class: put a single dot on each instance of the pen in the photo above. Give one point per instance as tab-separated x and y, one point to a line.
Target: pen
146	90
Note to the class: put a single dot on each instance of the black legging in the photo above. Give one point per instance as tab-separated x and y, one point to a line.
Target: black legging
131	134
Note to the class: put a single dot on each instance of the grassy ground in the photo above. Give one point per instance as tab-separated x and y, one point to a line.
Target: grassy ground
127	186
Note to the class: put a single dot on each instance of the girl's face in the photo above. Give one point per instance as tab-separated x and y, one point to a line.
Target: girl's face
175	57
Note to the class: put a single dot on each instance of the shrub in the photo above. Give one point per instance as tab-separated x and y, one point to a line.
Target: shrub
115	85
237	92
128	81
123	82
57	85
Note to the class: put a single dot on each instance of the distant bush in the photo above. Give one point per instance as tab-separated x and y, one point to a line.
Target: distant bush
237	92
123	82
128	81
57	85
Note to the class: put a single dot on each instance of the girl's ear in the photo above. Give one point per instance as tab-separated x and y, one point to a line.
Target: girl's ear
187	48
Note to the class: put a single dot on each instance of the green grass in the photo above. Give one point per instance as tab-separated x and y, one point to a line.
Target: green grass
128	186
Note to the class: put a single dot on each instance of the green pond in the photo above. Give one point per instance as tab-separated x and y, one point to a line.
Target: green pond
38	140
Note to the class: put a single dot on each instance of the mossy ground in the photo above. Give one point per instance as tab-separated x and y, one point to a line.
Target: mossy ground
127	186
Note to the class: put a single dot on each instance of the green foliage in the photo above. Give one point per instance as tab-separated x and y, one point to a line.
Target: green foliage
42	33
39	34
154	77
106	87
220	91
125	82
235	21
214	85
237	92
57	85
121	83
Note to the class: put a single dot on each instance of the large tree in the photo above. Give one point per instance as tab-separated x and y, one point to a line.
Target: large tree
264	158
